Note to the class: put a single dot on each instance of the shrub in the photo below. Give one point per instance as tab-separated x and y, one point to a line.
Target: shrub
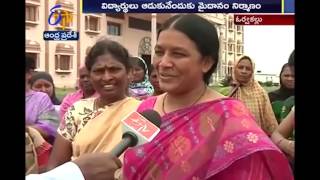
268	83
226	81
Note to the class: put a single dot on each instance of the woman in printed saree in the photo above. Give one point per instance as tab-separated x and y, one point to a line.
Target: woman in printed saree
93	124
204	135
40	112
253	95
140	87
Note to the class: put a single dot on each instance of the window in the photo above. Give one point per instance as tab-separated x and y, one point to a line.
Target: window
141	24
35	56
63	62
92	23
31	13
114	29
115	15
229	71
224	44
231	46
230	24
64	58
239	29
239	47
66	19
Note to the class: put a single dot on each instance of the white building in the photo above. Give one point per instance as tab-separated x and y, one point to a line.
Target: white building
137	32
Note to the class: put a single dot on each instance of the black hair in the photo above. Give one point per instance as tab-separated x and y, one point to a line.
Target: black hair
291	59
282	69
46	76
284	66
30	63
106	46
152	68
135	61
201	32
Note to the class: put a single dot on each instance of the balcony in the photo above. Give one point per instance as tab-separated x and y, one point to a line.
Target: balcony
33	2
92	24
32	23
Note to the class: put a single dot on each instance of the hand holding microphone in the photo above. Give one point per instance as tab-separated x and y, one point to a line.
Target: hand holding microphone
98	166
138	129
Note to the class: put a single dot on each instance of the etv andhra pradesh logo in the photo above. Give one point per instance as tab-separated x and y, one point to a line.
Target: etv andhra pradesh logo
62	19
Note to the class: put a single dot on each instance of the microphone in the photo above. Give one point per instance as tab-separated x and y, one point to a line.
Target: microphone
138	129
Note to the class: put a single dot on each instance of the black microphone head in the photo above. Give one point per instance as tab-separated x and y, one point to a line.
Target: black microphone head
132	136
152	116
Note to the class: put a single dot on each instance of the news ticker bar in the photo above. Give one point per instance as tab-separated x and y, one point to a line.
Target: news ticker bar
239	19
263	19
188	6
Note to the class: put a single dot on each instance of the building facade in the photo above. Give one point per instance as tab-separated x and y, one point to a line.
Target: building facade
136	32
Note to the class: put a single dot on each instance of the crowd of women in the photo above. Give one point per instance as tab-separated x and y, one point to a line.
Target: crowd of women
204	134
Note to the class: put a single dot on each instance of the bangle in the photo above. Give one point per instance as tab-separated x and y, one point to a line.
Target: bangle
290	142
278	143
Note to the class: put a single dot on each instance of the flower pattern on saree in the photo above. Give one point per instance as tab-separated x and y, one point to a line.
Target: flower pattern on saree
178	148
185	166
252	137
208	121
245	123
228	146
140	152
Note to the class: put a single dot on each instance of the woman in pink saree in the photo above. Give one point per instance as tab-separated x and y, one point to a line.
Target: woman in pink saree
204	135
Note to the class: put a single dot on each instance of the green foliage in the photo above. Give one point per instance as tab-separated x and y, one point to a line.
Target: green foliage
226	81
268	83
62	92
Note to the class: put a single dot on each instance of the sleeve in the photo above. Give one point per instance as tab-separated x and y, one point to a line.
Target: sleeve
45	104
47	117
66	171
68	129
270	121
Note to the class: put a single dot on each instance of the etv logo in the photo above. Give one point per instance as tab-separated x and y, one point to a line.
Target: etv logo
57	14
63	19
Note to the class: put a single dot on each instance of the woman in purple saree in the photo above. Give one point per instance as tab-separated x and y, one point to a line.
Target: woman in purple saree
204	135
40	112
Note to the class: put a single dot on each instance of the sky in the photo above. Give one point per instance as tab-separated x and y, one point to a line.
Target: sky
269	46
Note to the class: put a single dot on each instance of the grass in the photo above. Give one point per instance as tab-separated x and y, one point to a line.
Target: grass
225	90
272	88
62	92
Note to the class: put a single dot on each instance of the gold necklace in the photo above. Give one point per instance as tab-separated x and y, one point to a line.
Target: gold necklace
202	94
97	104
